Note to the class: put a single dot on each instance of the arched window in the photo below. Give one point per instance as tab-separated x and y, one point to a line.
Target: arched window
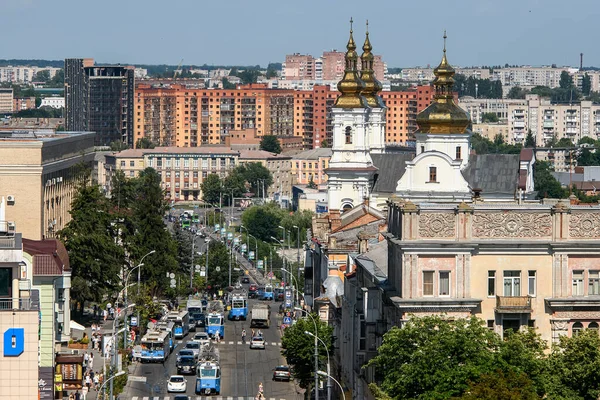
593	326
577	328
348	135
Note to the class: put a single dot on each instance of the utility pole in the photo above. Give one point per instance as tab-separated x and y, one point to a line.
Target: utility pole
192	262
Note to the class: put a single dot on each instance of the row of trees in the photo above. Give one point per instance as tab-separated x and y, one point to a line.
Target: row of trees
245	178
107	233
480	88
438	358
566	92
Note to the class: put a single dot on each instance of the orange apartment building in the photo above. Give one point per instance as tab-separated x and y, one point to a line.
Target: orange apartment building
176	115
180	116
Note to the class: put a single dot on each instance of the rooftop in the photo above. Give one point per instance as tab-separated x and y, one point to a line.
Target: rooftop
133	153
313	154
261	155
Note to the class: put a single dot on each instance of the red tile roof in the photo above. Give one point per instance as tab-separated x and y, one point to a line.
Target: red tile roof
50	256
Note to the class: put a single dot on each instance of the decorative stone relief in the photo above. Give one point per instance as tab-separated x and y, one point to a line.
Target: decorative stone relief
577	314
559	324
584	225
437	225
512	225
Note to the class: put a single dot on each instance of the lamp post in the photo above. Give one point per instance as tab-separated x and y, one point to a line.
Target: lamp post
255	252
139	270
282	247
110	380
322	373
296	298
283	251
328	364
247	238
298	245
316	351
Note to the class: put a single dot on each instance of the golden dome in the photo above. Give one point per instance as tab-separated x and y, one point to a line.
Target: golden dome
443	115
372	85
351	85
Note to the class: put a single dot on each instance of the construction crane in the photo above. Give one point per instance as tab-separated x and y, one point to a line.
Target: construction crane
178	69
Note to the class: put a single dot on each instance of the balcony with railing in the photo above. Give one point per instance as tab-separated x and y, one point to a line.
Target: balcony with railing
513	304
26	304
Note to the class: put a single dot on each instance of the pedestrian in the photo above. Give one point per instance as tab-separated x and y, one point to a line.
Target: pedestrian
218	337
77	395
95	310
91	362
96	381
105	314
71	396
84	392
88	380
86	357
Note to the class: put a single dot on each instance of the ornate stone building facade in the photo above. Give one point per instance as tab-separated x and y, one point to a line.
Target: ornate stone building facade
512	266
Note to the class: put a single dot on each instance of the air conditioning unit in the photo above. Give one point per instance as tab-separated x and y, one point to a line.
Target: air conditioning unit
10	198
11	227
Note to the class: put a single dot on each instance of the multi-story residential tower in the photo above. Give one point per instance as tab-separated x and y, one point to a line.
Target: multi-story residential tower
100	99
298	67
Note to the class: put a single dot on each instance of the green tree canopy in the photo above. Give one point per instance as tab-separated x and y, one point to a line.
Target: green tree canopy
516	92
483	145
144	143
529	140
298	347
501	386
545	184
211	188
263	221
566	80
255	175
565	142
489	117
586	84
270	143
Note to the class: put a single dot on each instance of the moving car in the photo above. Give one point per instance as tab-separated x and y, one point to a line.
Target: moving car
194	347
252	290
200	320
192	324
177	383
245	280
282	372
202	338
257	342
181	397
186	365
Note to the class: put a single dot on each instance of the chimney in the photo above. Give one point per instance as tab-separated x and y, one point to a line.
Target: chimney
335	220
580	61
363	242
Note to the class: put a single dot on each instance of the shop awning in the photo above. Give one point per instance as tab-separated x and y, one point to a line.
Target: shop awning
75	325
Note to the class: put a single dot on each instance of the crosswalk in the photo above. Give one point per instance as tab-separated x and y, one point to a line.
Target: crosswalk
203	398
239	343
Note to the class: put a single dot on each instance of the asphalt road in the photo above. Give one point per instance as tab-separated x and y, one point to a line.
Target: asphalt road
242	369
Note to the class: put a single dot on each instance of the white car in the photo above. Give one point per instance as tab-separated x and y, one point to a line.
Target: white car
193	346
177	383
202	338
257	342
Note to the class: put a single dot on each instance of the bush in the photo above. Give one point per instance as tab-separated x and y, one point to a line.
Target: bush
85	340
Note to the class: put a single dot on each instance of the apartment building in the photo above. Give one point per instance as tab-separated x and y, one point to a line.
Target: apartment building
52	102
24	73
24	103
310	165
280	167
333	65
402	110
182	170
477	107
38	175
182	116
298	67
6	100
100	99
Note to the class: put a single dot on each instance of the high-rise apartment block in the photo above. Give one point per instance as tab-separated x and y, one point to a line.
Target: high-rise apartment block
329	67
100	99
24	73
298	66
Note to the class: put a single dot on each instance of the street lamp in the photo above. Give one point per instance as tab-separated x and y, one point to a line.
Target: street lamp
297	296
256	254
139	270
323	373
316	351
298	244
247	238
110	379
282	249
328	367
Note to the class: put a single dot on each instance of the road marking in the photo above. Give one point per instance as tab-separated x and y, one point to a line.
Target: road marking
136	378
239	342
230	342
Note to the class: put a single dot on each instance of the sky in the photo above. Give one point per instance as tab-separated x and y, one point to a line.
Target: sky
249	32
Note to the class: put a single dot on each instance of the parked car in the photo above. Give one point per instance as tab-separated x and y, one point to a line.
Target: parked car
177	383
181	397
257	342
282	372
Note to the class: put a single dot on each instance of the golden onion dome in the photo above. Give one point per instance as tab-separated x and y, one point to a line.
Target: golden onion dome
367	74
351	86
443	115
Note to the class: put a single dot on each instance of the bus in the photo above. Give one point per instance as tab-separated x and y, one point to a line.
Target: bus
268	294
155	346
181	321
215	319
239	306
166	326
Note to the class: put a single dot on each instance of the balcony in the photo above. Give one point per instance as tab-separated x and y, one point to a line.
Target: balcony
19	304
513	304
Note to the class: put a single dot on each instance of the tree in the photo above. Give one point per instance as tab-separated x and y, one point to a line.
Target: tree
42	76
516	92
586	84
144	143
311	183
218	256
298	347
542	91
263	221
58	80
148	210
325	144
118	145
94	255
457	352
575	367
257	176
586	158
489	117
211	188
565	142
566	80
545	184
501	386
529	140
270	143
587	140
234	184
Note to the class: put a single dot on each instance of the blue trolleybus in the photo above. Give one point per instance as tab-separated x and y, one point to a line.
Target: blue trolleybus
155	346
181	322
239	306
268	294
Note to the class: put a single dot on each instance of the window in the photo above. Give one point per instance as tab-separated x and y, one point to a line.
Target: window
490	324
594	283
432	174
186	163
122	163
458	153
428	283
131	174
168	163
491	283
195	163
132	163
177	163
422	148
593	326
577	283
512	283
159	162
204	163
151	162
577	328
195	174
531	323
5	282
168	174
531	283
444	284
348	135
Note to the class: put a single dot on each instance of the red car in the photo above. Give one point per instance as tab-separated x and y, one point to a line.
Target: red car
252	290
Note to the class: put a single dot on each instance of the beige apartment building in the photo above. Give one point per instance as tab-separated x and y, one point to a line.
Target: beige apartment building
477	107
38	178
310	165
6	100
182	170
278	164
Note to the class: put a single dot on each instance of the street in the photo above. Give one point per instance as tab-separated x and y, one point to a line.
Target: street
243	369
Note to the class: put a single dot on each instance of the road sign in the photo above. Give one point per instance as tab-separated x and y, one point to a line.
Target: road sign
217	227
173	281
287	320
172	275
236	240
223	230
218	269
243	247
259	264
251	255
288	304
133	321
197	267
270	275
